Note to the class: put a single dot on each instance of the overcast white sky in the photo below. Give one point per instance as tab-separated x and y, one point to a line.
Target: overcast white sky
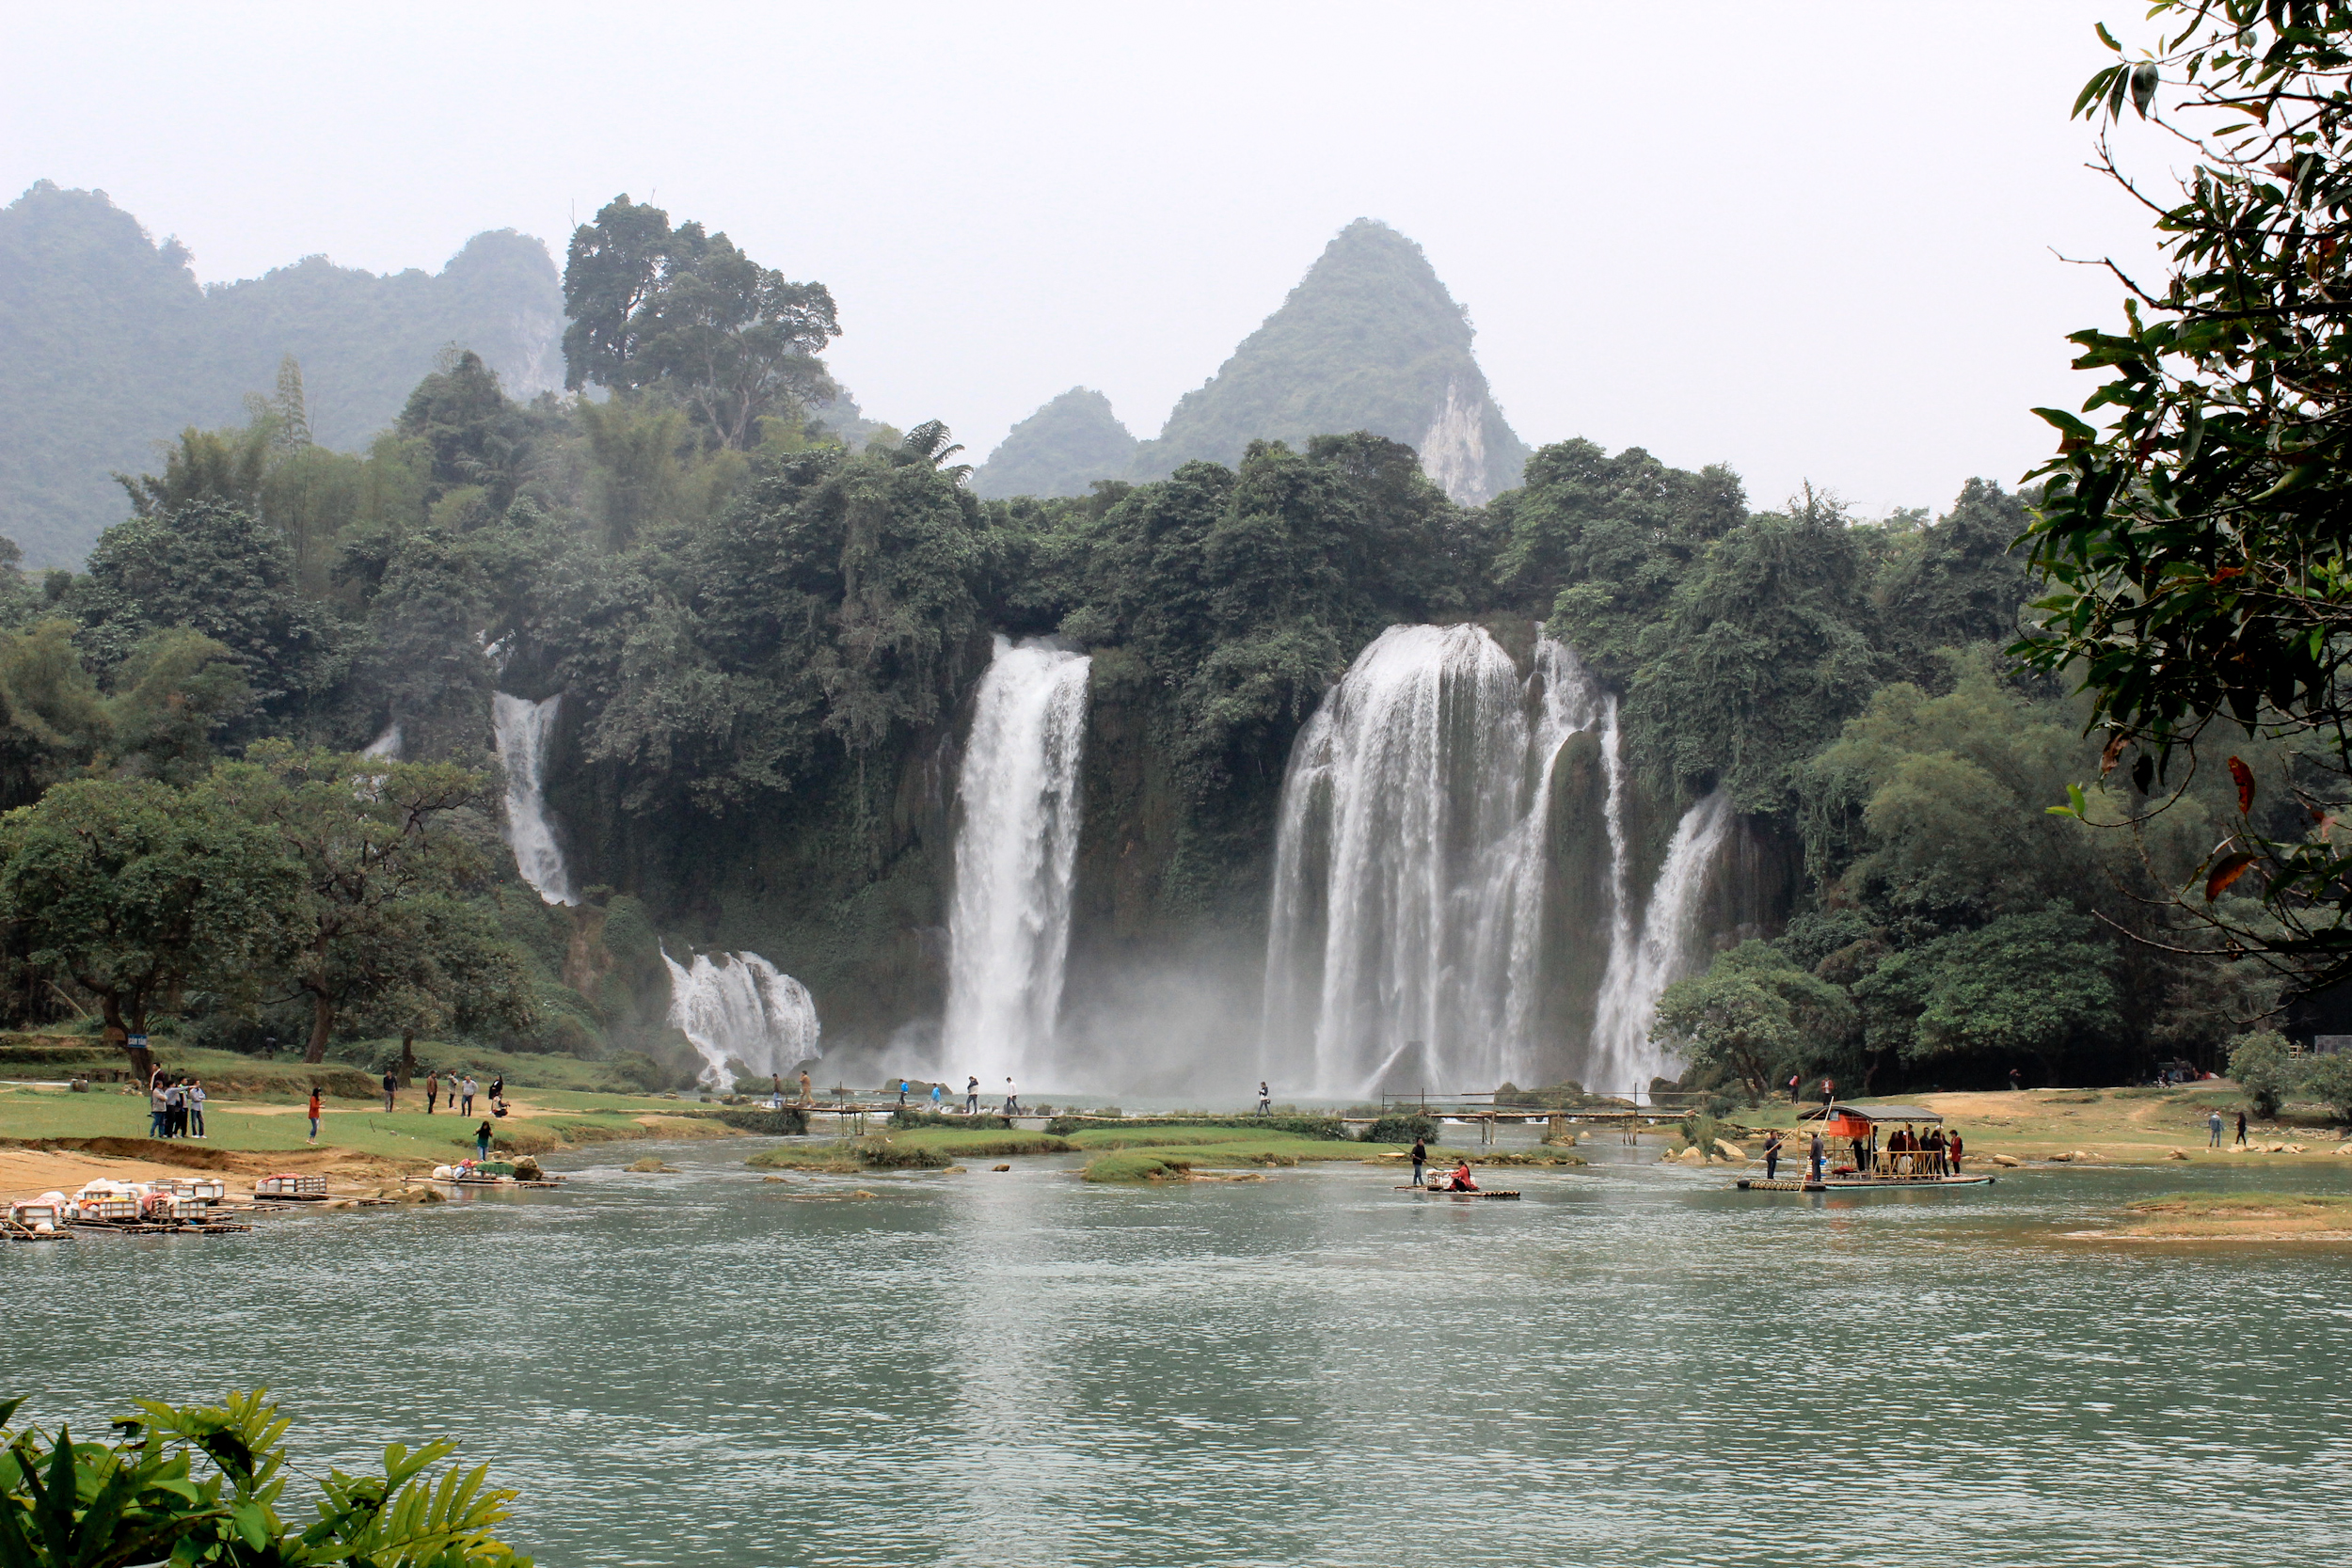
1812	240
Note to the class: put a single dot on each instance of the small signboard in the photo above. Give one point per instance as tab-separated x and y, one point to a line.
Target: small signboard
136	1042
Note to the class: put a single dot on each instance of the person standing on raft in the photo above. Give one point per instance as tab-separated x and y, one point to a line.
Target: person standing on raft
1771	1158
1421	1158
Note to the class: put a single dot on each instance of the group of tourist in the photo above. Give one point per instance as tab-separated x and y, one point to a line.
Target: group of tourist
461	1093
1906	1153
175	1106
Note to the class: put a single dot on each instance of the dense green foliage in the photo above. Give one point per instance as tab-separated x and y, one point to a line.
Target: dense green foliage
2196	540
204	1484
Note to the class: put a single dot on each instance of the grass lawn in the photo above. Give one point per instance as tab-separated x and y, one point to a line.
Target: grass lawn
2127	1126
409	1135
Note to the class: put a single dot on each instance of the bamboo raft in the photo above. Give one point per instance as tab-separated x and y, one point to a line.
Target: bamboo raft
1858	1184
1446	1192
11	1231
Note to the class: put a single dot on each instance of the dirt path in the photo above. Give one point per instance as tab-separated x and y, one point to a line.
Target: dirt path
65	1164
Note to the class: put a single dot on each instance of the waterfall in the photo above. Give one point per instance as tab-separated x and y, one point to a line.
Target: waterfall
386	745
741	1010
1622	1058
1016	853
1404	928
522	730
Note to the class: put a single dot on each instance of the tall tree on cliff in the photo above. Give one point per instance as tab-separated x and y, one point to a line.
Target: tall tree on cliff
376	844
685	311
2196	544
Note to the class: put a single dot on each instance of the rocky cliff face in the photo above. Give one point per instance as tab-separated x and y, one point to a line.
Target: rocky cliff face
1369	339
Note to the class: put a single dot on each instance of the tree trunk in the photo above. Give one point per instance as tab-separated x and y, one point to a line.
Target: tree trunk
322	1026
407	1069
118	1034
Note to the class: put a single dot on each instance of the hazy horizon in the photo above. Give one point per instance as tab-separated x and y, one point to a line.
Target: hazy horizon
1816	248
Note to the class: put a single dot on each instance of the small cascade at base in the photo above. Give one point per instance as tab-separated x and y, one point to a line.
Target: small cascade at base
1016	855
738	1011
523	729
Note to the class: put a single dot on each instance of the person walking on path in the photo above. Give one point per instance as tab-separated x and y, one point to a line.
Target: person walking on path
902	1094
1266	1100
314	1113
807	1097
2241	1129
1421	1158
1012	1099
390	1086
776	1101
2212	1130
195	1109
1771	1158
482	1141
432	1091
469	1091
937	1091
972	1095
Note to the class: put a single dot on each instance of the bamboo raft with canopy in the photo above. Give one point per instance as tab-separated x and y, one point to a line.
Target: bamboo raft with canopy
1855	1158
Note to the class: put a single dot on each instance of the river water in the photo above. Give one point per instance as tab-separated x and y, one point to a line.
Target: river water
1631	1366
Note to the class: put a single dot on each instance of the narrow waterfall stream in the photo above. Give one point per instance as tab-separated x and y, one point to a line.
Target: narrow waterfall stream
522	729
741	1012
1622	1057
1405	925
1016	852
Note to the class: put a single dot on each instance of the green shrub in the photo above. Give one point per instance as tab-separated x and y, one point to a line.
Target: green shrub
887	1154
907	1115
203	1484
1394	1129
2328	1079
2264	1069
790	1122
1137	1165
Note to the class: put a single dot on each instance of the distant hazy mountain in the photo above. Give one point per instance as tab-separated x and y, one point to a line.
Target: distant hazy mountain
108	344
1369	340
1059	449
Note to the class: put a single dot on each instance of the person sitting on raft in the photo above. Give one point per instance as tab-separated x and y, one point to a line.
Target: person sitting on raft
1458	1179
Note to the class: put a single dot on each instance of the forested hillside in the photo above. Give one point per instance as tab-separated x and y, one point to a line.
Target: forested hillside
1369	339
112	346
766	639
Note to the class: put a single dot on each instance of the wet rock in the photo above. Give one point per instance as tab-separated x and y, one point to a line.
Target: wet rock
2177	1154
1000	1168
2007	1159
1729	1151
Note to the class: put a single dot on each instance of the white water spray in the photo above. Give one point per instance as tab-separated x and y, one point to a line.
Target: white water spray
1016	855
386	745
1405	925
1622	1056
740	1011
522	729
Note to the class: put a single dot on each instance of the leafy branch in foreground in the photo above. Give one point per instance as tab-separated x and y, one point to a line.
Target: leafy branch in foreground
2195	545
190	1485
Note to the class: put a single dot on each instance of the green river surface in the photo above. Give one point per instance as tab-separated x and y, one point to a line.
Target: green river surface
1634	1365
